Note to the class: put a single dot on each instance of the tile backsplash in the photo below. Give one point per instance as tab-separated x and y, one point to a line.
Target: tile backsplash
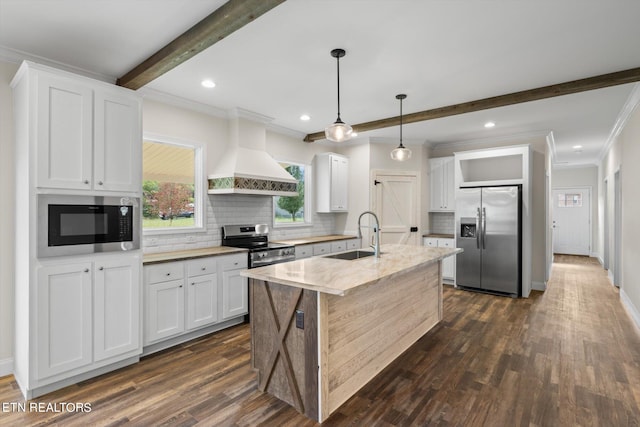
225	209
442	222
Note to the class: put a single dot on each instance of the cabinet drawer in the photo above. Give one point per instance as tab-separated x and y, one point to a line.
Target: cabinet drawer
353	244
233	262
198	267
165	272
432	243
304	251
446	243
321	249
339	246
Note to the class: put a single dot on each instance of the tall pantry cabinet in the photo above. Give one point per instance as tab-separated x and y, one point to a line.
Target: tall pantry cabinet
75	316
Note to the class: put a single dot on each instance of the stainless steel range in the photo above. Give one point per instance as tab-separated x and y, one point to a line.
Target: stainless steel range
255	237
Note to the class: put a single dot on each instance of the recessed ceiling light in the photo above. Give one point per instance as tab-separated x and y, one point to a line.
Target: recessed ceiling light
305	117
489	125
577	147
208	83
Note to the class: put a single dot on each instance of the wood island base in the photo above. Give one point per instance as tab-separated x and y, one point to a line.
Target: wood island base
315	350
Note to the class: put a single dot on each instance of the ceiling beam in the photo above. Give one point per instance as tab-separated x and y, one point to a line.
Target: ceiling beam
567	88
228	18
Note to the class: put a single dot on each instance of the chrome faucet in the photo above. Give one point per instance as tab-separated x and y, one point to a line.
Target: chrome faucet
376	229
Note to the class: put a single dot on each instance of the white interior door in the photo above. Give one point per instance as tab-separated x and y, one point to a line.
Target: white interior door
571	221
397	204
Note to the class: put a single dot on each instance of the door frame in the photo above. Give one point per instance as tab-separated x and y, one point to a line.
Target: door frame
373	196
553	208
617	228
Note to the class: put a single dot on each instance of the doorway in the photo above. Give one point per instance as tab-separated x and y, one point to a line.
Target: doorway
396	202
572	221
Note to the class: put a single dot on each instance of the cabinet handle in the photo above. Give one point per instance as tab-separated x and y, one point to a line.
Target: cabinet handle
168	274
235	263
101	268
204	268
193	283
180	286
86	181
99	182
86	270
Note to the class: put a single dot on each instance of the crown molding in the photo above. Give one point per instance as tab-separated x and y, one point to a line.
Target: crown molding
515	138
17	56
177	101
621	121
285	131
574	165
241	113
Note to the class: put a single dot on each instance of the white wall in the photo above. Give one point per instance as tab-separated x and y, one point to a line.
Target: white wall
213	132
582	177
624	156
7	183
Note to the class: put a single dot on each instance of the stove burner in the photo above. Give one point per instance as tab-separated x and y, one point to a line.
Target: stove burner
256	239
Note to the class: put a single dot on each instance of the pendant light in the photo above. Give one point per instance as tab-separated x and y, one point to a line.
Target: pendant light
401	153
339	131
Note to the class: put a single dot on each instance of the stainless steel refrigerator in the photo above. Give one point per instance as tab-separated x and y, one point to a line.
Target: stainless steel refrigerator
489	229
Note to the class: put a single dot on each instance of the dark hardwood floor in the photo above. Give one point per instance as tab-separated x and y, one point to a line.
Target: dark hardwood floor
568	356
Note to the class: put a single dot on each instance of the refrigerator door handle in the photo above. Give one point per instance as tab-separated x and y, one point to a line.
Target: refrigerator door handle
478	229
484	226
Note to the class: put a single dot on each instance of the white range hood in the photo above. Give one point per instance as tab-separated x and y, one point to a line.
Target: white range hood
246	167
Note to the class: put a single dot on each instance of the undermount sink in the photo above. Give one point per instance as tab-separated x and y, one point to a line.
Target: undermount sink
351	255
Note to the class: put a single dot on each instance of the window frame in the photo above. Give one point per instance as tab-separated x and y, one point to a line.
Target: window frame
199	185
308	190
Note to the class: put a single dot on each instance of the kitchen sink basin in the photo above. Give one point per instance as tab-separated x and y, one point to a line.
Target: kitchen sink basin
357	254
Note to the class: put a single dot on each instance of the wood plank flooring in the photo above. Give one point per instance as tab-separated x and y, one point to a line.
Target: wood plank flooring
568	356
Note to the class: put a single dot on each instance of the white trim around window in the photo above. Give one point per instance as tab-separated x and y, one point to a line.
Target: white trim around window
200	210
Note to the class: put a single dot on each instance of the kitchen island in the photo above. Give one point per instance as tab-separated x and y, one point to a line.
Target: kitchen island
321	328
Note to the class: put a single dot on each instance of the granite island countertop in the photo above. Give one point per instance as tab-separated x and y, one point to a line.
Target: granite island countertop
439	235
338	277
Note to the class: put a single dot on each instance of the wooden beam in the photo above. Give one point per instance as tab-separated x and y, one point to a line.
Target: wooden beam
228	18
567	88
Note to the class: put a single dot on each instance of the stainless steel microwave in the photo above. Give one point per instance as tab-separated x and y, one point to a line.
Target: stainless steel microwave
72	225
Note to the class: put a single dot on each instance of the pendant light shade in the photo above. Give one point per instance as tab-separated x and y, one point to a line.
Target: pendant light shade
401	153
339	131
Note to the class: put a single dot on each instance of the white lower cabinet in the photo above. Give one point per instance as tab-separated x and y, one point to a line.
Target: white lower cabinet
449	263
87	313
116	308
165	310
326	248
64	318
183	296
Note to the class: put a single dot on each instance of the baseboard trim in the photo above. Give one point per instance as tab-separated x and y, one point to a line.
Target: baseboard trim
610	277
630	308
539	286
600	260
6	367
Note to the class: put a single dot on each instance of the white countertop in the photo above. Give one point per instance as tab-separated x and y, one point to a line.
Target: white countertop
337	277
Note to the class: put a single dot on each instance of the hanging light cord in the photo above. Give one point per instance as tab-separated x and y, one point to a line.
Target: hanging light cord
338	67
401	123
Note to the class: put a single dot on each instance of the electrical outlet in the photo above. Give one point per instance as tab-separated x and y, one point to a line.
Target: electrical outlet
191	239
299	319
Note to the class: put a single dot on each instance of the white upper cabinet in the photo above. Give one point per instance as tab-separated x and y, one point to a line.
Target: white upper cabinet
117	163
64	133
441	174
331	183
88	134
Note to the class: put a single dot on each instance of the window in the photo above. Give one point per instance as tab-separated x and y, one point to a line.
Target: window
171	186
294	211
570	200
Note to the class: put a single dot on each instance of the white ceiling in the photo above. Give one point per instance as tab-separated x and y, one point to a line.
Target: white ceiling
437	52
